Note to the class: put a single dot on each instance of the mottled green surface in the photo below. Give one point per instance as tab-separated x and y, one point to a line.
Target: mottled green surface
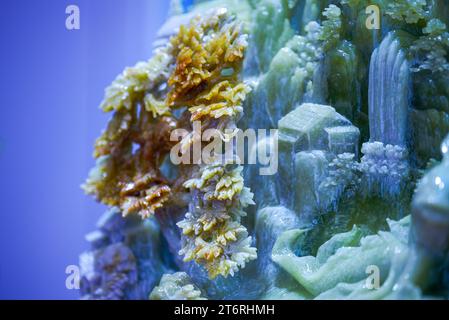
360	113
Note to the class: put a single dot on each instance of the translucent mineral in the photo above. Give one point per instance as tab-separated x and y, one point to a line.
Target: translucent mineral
359	205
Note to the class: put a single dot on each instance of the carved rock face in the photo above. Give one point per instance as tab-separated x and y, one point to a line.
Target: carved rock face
431	207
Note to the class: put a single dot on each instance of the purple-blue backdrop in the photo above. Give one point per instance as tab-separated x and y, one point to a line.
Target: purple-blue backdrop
51	83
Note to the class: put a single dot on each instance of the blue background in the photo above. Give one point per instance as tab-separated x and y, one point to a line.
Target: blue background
51	83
